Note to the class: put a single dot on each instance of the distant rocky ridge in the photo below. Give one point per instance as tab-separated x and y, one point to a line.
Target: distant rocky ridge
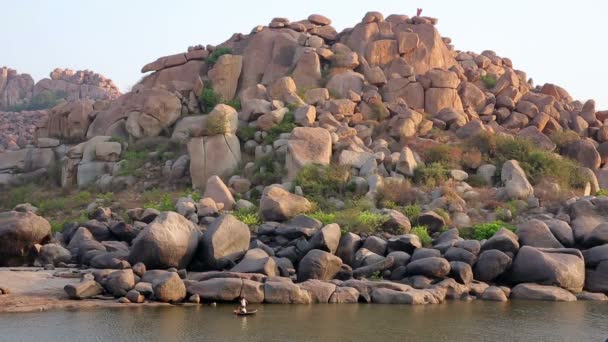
18	89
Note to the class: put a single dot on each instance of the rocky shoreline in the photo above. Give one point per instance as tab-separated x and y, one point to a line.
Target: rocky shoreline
318	264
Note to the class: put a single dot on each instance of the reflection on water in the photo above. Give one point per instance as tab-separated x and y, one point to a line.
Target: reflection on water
453	321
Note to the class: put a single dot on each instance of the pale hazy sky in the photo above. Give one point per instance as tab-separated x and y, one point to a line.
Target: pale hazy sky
557	41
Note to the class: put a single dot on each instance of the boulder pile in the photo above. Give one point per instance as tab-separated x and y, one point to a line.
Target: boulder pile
275	126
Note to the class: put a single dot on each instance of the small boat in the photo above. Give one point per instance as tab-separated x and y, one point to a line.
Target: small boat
248	313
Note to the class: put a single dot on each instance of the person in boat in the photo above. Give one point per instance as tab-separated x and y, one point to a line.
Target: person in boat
243	306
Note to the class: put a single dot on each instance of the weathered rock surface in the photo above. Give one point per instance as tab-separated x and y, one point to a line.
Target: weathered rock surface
169	241
19	232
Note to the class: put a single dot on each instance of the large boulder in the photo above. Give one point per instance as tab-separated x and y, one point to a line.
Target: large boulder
256	261
318	264
307	145
169	241
326	239
53	253
217	190
26	160
491	264
213	155
345	81
227	289
535	233
84	289
585	153
503	240
147	111
278	204
433	267
19	232
407	243
285	293
224	242
320	291
178	73
169	288
563	267
70	120
81	243
586	215
225	75
118	283
516	183
541	292
596	279
348	246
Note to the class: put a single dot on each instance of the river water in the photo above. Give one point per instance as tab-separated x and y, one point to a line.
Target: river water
452	321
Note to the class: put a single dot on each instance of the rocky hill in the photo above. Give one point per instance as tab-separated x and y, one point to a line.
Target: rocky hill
378	152
20	90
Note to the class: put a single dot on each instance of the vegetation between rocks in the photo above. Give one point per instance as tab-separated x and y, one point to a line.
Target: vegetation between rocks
44	100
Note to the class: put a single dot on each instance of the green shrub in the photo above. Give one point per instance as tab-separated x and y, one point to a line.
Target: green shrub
209	99
376	276
44	100
489	81
477	181
423	234
538	164
503	214
485	231
353	220
286	126
412	212
235	103
267	171
564	138
372	220
602	192
246	133
118	139
192	193
444	154
248	216
57	225
159	200
17	195
431	175
325	218
133	161
444	215
216	54
320	182
388	204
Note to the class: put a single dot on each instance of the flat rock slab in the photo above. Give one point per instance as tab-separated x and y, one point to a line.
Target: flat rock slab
33	289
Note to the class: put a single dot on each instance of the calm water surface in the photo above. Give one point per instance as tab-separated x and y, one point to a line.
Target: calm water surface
453	321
